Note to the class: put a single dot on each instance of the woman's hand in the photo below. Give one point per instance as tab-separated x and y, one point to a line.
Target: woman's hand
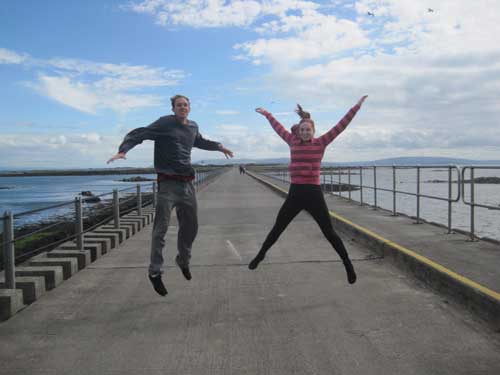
120	155
260	110
360	101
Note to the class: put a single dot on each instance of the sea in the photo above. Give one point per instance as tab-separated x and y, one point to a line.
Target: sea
25	194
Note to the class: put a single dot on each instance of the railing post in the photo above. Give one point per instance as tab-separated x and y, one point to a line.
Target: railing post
9	251
79	224
339	189
393	190
472	205
449	199
116	209
139	200
349	181
375	187
331	180
154	192
360	186
418	194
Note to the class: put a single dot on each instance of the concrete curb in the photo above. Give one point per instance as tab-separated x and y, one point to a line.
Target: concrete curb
483	302
11	301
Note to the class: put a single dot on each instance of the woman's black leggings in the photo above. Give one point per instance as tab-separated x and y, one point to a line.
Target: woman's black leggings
309	198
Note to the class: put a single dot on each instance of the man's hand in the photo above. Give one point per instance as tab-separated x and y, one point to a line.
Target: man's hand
360	101
227	153
120	155
262	111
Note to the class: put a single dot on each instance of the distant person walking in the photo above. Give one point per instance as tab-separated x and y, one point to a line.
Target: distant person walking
242	169
305	190
174	136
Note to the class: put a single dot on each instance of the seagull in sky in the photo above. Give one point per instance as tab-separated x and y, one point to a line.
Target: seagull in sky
371	14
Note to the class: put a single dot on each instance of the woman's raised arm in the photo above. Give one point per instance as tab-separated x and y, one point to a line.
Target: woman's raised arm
329	136
278	128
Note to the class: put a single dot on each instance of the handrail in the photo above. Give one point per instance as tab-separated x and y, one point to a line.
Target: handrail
8	239
459	183
396	191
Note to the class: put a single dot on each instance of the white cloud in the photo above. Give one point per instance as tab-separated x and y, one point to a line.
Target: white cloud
62	89
227	112
42	150
11	57
92	86
200	13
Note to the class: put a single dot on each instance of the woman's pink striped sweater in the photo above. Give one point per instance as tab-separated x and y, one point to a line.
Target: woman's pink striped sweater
306	157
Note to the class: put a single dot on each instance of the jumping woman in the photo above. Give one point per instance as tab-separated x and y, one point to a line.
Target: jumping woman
305	191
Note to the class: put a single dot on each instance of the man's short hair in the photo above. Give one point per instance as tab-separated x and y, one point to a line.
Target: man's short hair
175	97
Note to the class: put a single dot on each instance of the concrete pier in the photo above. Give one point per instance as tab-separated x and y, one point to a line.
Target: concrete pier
295	314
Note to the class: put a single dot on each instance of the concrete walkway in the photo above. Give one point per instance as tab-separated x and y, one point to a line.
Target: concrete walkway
296	314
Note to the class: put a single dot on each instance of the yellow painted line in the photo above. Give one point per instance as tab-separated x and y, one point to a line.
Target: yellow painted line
411	253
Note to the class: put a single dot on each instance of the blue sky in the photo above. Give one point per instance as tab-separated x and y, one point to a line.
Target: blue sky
78	75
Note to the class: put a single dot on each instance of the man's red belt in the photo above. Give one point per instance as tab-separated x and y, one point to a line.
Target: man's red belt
176	177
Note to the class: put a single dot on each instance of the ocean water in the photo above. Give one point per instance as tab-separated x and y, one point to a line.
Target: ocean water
22	194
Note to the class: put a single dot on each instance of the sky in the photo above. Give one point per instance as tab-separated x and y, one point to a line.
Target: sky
78	75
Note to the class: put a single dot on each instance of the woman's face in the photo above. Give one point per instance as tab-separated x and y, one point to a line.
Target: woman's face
306	131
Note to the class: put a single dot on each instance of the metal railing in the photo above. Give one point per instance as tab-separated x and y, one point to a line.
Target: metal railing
472	194
458	187
110	207
450	199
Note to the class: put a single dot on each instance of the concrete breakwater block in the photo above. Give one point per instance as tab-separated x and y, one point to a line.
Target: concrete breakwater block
127	229
112	238
131	227
146	217
53	274
32	287
123	232
11	301
69	265
135	221
95	249
83	257
105	243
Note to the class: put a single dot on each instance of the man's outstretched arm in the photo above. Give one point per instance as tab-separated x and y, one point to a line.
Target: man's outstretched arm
206	144
135	137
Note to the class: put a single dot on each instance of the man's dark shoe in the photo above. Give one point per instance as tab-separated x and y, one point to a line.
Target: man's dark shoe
184	269
158	285
255	261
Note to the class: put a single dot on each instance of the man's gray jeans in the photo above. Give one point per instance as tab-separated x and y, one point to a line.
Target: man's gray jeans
182	196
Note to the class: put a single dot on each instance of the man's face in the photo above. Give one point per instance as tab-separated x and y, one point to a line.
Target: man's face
181	108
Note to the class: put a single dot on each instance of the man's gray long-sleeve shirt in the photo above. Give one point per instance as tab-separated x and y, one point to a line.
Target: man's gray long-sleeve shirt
173	144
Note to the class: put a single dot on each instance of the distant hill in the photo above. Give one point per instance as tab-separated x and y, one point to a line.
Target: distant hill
416	160
411	161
